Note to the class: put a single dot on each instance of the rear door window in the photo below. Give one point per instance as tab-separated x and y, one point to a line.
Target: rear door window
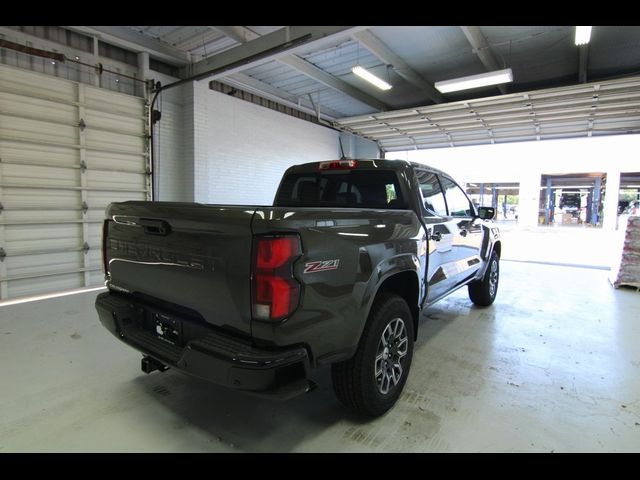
432	196
355	188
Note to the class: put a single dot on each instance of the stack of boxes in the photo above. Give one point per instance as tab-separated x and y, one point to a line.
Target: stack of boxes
626	271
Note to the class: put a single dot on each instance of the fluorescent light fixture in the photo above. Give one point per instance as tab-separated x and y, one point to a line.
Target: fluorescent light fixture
475	81
583	35
371	78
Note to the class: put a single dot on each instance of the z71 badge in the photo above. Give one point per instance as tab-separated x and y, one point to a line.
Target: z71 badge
321	266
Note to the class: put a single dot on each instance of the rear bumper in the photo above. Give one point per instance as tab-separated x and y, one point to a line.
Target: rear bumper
208	354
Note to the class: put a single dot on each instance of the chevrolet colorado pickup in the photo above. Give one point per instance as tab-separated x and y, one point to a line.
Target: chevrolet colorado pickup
336	273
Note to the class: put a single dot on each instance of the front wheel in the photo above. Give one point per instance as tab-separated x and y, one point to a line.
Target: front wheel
483	292
371	382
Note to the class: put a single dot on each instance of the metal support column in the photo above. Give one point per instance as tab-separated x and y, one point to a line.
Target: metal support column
83	183
97	77
547	203
595	207
494	197
481	194
610	201
529	198
4	285
505	206
143	74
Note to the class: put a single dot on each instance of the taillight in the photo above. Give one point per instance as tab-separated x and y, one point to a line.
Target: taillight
337	165
275	291
105	232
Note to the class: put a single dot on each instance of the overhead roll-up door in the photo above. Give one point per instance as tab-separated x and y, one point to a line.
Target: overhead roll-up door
67	150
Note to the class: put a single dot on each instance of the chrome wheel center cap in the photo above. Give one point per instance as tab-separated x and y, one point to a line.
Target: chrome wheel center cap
385	353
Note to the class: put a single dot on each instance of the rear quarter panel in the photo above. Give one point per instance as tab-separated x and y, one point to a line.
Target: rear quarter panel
369	246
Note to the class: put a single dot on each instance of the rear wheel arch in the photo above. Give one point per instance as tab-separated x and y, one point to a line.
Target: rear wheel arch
405	284
497	248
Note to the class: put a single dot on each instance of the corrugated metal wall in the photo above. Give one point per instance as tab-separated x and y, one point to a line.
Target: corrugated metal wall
67	150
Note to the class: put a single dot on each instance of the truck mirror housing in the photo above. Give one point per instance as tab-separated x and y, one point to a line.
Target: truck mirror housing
486	213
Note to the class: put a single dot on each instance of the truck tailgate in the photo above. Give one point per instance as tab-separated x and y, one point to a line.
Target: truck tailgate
189	255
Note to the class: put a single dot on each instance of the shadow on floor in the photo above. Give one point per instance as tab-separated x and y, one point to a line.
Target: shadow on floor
241	421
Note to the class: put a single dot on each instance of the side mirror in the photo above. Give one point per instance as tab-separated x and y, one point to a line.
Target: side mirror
486	213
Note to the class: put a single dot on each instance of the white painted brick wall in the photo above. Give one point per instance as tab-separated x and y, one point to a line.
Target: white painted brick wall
214	148
242	149
355	146
173	142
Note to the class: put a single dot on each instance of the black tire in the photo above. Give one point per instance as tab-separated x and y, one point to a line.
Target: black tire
354	380
483	292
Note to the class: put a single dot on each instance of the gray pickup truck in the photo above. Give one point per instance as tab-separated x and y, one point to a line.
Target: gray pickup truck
336	273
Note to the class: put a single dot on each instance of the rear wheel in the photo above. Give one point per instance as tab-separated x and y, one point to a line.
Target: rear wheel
371	382
483	292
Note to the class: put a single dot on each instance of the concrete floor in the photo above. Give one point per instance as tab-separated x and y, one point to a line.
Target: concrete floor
553	365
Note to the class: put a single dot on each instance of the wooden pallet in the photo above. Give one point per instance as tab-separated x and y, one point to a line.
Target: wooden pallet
625	273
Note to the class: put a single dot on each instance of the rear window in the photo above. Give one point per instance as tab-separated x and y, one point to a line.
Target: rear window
360	189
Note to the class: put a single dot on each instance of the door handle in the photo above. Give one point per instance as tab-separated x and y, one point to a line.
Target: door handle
437	236
463	232
154	227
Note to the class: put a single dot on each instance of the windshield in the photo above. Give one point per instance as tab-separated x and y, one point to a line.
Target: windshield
354	188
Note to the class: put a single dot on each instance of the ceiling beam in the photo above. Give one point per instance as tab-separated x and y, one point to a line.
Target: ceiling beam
264	89
198	39
330	81
131	40
384	53
239	34
285	41
244	36
481	48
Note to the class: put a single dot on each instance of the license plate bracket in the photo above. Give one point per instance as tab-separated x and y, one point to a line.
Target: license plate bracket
167	328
